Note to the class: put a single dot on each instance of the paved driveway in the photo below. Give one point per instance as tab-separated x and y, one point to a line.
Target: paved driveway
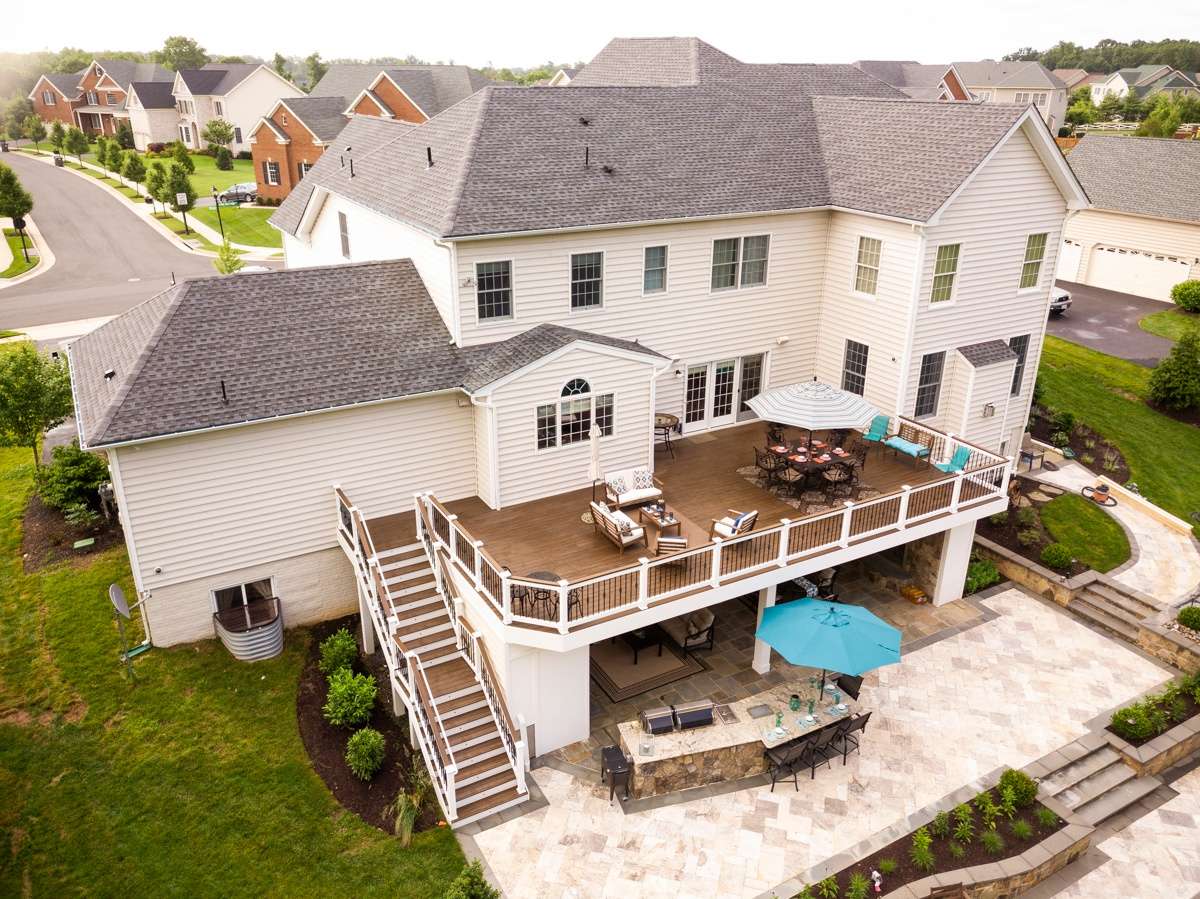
1107	321
107	260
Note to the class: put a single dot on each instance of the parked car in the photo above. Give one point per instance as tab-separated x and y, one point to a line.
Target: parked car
1060	301
239	193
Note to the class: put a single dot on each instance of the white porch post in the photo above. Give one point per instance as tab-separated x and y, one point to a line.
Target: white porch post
762	651
952	565
368	626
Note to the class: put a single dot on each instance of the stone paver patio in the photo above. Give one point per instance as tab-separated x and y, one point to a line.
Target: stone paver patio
1004	692
1158	855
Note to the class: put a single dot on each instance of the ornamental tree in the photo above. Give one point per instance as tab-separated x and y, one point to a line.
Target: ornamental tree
217	133
156	182
134	170
181	156
58	135
35	396
35	130
76	143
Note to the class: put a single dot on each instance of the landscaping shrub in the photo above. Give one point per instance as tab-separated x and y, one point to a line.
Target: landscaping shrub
1139	721
1029	536
828	888
887	866
364	752
941	825
1027	517
981	573
156	149
1189	617
1175	381
71	478
1024	787
1021	829
957	850
999	520
224	159
988	811
471	884
921	853
1186	295
1060	439
992	842
858	886
1056	556
351	698
964	824
1064	421
80	515
1045	818
338	651
244	154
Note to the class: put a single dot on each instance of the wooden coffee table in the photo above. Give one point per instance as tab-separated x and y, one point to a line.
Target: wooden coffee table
658	525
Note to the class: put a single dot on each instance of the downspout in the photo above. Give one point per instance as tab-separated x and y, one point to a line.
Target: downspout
493	453
906	355
455	305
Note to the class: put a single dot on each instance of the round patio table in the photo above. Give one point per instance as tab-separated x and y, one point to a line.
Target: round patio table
665	424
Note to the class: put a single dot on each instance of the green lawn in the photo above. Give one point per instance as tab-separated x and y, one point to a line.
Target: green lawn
243	224
1170	323
206	175
176	225
191	782
18	266
1092	535
1107	394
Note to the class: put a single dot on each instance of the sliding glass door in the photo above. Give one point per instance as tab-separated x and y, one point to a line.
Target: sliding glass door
715	393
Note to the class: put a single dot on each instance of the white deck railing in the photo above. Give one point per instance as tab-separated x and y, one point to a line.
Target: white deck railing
569	605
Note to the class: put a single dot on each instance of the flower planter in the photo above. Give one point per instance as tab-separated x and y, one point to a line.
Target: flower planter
1163	751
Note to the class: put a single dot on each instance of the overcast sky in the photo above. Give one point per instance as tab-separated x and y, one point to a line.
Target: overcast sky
531	31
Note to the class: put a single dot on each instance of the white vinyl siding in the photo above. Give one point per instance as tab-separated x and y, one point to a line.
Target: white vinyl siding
1096	227
215	502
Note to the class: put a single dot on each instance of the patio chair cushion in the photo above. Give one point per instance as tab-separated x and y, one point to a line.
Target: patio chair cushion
741	519
957	462
625	487
878	429
689	628
916	450
624	523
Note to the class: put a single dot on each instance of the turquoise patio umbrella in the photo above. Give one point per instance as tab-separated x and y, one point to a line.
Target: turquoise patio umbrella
831	636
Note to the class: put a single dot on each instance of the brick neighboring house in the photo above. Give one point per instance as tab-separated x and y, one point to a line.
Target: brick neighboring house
55	97
287	142
239	93
104	87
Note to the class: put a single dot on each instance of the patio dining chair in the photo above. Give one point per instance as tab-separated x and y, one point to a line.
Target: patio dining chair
820	750
791	478
775	435
847	741
768	463
784	760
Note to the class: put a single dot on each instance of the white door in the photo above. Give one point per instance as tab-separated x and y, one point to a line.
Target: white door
1132	271
714	392
1068	261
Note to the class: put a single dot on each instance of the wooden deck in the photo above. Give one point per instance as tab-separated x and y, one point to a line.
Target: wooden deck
700	483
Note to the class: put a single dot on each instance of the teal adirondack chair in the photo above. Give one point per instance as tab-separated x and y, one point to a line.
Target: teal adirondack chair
958	461
878	430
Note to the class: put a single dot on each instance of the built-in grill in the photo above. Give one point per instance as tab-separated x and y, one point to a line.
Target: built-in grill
694	714
658	721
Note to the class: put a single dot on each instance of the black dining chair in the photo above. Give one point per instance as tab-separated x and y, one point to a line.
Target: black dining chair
820	750
791	476
848	683
775	435
785	760
848	740
768	463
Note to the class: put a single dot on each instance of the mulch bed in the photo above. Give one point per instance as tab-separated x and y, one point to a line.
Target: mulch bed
1106	459
907	872
1193	709
1006	535
326	744
47	537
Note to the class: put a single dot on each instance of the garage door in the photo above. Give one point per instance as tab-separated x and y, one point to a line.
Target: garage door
1068	261
1136	272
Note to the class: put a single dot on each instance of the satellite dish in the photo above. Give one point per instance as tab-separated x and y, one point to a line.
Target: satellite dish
117	597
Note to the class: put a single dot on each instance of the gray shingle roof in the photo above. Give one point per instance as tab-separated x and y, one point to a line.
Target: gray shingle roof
512	159
991	74
433	88
217	78
989	352
123	71
67	83
282	343
1141	175
154	94
345	80
321	115
922	82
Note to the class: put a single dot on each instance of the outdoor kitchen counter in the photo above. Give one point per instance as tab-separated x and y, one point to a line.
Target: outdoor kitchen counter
718	752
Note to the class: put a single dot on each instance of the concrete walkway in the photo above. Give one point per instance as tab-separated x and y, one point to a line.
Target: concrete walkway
1167	566
1005	692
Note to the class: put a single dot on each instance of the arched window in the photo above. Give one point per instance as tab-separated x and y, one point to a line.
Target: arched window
570	419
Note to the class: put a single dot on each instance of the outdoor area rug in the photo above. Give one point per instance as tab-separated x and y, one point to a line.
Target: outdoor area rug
614	672
810	502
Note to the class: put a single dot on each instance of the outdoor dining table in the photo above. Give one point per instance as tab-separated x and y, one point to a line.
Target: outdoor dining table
796	724
825	458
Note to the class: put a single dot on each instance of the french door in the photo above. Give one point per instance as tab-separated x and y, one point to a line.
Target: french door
715	393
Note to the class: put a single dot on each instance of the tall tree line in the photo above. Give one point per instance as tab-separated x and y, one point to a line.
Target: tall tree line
1109	55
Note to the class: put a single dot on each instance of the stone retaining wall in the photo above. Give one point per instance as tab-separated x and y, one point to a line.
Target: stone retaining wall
1169	646
1162	752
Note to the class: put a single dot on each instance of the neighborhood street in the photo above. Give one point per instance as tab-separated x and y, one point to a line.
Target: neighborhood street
1107	321
107	260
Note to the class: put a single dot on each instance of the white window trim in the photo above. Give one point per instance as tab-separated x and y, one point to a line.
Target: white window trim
718	291
666	271
941	383
273	166
939	304
48	98
92	98
557	403
212	593
584	310
219	109
842	370
1036	288
873	297
512	295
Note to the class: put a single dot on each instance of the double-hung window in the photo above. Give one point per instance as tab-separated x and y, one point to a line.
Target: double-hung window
854	367
945	270
866	271
271	176
343	230
929	386
1022	98
740	262
111	99
570	419
587	280
493	289
237	135
1031	268
303	169
218	108
47	98
91	99
654	270
1020	346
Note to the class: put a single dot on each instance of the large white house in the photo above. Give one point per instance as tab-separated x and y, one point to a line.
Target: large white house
399	422
239	93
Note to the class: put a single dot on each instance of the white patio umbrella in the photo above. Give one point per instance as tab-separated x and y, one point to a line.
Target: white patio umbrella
594	460
814	406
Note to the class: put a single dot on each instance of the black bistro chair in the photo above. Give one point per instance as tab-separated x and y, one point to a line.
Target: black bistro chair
848	740
820	750
785	760
849	684
768	464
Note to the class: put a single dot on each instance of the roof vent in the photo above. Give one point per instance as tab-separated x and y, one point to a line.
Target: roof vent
109	374
429	157
607	169
587	155
224	395
583	120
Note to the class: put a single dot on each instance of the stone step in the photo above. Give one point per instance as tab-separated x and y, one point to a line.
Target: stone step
1116	621
1092	787
1117	800
1069	775
1131	604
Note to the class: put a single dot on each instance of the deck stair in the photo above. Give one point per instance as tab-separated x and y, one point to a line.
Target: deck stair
475	753
1091	779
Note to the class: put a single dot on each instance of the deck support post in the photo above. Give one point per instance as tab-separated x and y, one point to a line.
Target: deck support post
762	651
368	624
847	516
902	515
956	496
953	562
785	537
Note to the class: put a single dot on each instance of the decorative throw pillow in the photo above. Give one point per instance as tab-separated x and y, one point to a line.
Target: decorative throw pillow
616	484
642	479
624	523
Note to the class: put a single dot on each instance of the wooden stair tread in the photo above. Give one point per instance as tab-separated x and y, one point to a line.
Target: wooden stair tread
466	791
471	752
449	706
480	806
411	627
483	730
474	768
450	677
417	644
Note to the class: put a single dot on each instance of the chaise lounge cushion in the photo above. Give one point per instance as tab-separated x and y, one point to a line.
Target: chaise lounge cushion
690	628
916	450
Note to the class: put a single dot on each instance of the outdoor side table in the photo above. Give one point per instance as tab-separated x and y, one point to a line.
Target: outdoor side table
614	767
